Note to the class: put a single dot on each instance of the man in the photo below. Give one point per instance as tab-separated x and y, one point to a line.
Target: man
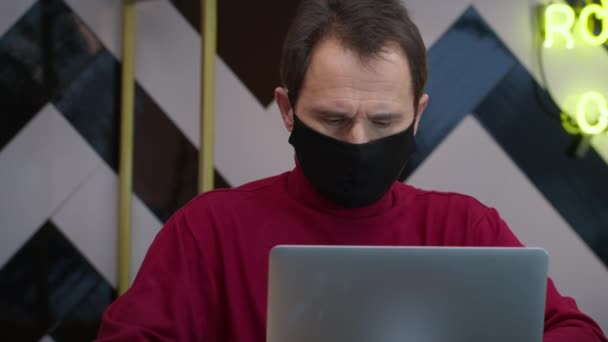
353	75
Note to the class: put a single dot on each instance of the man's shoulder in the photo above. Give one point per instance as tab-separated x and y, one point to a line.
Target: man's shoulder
257	190
458	219
436	199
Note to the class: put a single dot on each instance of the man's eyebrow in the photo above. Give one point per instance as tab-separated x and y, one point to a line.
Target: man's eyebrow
384	116
329	113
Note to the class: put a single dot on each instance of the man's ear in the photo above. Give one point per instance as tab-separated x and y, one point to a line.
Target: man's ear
424	101
280	96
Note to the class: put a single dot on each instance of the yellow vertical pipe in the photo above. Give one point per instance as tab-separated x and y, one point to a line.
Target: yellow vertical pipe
209	47
125	172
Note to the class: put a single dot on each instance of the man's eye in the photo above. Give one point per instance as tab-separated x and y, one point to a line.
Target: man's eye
382	123
334	121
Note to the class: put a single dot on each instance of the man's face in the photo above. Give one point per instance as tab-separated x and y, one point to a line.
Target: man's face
351	99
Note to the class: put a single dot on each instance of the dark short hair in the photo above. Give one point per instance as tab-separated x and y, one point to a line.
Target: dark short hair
363	26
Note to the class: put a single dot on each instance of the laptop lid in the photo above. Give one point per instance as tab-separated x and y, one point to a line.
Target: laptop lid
422	294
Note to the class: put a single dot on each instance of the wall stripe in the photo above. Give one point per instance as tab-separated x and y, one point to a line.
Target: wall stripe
45	163
11	12
469	58
504	16
251	142
435	17
85	92
21	91
165	161
42	298
163	39
83	321
576	187
88	218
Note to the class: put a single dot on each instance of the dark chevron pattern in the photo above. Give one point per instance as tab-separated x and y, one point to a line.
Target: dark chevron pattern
576	187
49	287
66	64
81	323
49	55
464	65
165	173
22	93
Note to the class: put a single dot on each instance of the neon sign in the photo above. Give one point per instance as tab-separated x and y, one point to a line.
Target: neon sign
560	19
588	102
560	22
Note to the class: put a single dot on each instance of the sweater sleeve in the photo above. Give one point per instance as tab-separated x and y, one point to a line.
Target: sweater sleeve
564	322
176	295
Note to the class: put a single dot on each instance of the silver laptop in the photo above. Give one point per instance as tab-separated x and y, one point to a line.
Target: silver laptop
419	294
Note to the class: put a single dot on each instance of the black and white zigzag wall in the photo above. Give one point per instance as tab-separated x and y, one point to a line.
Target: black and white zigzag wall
490	131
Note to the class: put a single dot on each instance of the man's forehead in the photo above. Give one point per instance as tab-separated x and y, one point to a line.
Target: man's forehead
333	62
334	47
335	71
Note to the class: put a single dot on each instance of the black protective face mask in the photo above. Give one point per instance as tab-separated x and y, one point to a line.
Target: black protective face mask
351	175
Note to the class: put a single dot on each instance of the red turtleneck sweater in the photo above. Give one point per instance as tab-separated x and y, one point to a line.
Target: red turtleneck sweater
205	275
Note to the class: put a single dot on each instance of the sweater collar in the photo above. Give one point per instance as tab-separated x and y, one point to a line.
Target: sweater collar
302	190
